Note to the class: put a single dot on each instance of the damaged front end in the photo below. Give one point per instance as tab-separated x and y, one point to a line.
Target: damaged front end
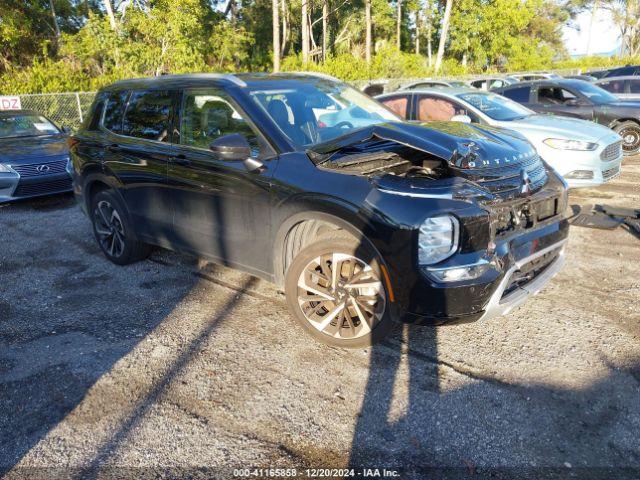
510	241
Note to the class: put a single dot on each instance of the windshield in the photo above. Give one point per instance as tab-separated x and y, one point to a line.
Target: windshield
311	112
594	93
495	106
26	125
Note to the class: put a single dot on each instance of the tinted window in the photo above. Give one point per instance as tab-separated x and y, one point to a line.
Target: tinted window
554	96
397	105
114	109
520	94
634	86
440	109
92	120
148	115
613	86
209	114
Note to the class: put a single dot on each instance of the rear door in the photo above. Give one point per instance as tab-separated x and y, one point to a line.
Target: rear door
220	208
138	149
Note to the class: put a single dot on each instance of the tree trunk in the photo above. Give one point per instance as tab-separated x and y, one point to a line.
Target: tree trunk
444	31
112	19
325	21
56	27
429	46
305	32
276	35
367	15
399	24
285	28
418	32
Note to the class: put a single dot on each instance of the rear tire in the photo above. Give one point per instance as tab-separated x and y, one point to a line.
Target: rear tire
113	230
347	306
630	133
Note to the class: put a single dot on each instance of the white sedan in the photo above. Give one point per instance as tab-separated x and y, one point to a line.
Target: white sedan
584	153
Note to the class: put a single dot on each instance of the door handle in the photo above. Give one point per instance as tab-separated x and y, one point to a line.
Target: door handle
180	160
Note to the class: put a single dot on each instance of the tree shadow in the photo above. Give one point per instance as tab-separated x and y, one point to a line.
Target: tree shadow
490	428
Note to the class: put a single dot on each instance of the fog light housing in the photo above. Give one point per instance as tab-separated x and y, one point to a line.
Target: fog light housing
458	274
580	175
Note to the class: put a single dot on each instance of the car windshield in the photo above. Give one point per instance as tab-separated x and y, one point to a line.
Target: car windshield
26	125
495	106
594	93
312	112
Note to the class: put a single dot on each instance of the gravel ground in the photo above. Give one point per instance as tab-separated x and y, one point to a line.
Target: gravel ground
175	367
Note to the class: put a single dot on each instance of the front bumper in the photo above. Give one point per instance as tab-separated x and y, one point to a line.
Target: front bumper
582	168
14	186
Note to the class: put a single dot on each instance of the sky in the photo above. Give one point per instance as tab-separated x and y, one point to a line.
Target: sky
605	37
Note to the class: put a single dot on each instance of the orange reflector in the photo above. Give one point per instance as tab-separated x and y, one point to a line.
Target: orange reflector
385	274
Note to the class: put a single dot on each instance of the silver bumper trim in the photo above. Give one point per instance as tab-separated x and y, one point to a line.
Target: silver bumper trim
499	305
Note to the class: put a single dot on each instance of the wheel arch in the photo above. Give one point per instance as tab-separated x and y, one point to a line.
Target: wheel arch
301	229
619	121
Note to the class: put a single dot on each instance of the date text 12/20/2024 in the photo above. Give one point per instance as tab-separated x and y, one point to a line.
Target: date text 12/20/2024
315	473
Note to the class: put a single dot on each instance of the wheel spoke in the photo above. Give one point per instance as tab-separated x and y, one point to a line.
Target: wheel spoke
316	289
102	231
326	320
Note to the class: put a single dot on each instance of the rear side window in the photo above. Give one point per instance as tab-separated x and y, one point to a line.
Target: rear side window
397	105
634	86
114	108
613	86
92	119
520	94
148	115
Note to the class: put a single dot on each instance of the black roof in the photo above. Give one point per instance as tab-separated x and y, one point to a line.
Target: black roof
191	79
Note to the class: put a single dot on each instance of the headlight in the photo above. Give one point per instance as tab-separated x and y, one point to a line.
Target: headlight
438	239
4	168
561	144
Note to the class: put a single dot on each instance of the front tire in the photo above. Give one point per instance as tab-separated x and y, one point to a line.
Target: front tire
113	230
335	291
630	133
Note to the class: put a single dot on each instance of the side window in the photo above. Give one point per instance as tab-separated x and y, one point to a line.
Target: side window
519	94
92	119
209	114
397	105
148	115
114	109
438	109
634	86
555	96
613	86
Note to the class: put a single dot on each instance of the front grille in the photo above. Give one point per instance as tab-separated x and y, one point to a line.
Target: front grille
506	180
58	166
611	152
43	188
530	270
610	173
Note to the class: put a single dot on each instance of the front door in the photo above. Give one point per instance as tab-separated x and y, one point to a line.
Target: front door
220	208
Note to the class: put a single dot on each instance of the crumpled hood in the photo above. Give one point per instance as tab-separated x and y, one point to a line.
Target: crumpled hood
16	151
561	127
462	145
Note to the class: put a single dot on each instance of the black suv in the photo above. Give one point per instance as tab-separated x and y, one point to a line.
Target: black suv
580	99
303	181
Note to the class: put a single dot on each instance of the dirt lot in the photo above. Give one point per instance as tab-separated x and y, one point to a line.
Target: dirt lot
172	364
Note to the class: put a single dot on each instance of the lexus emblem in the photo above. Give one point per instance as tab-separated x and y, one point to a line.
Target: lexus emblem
43	168
526	184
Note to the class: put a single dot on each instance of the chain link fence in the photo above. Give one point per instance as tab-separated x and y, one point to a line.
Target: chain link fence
68	109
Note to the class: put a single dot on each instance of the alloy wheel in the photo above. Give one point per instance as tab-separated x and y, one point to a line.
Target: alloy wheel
631	138
109	228
341	296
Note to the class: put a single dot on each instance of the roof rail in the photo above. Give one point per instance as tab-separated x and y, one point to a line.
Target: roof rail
218	76
319	75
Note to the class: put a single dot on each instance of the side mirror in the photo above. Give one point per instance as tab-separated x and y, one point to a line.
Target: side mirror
231	147
461	118
64	129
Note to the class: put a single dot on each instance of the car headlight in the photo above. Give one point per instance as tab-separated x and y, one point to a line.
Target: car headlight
437	239
4	168
561	144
